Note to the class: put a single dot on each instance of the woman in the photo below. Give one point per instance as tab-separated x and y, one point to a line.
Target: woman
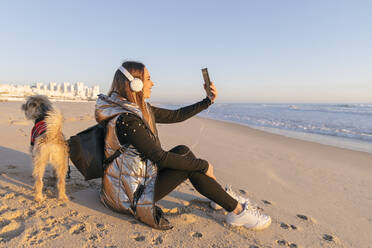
144	173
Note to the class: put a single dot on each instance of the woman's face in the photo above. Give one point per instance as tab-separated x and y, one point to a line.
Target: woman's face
147	84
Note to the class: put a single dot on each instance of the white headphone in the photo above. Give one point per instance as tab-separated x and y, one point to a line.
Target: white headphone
135	84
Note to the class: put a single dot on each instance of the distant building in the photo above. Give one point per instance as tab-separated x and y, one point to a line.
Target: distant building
64	91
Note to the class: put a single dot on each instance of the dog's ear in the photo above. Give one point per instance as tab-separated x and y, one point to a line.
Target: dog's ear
23	107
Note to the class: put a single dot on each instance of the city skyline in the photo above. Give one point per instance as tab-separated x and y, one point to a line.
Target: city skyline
54	90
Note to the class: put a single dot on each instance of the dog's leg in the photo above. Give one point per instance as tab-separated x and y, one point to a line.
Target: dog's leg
60	161
40	160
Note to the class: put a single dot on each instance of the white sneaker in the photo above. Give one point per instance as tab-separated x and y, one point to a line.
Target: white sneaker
237	197
250	217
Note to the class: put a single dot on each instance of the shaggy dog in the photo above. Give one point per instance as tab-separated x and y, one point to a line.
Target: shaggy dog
47	143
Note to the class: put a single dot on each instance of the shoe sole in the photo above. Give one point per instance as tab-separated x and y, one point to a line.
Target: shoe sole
261	227
258	228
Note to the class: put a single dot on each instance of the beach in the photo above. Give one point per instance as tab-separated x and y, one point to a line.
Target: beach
317	195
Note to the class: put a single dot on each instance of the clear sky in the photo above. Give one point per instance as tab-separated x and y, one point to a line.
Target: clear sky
256	51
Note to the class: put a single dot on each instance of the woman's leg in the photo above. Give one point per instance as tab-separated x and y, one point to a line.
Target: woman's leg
169	179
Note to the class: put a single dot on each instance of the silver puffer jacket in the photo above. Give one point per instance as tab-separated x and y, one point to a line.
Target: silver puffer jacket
129	180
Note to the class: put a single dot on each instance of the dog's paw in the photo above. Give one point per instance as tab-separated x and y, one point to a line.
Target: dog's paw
63	198
39	198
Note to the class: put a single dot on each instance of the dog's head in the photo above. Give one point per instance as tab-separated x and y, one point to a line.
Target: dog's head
36	107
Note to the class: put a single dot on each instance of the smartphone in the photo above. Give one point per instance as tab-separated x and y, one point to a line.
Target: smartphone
207	81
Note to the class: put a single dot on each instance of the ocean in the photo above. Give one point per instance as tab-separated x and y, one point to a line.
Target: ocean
342	125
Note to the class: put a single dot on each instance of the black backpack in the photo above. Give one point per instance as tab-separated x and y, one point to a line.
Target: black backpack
86	151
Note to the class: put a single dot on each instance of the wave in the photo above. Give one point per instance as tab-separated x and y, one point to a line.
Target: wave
295	118
293	107
355	109
345	105
341	120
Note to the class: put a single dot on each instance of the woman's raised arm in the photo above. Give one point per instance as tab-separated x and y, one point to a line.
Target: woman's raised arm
172	116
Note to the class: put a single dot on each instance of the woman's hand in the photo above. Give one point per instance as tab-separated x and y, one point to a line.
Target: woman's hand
210	171
213	92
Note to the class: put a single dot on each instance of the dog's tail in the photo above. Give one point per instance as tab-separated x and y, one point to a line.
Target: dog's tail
54	122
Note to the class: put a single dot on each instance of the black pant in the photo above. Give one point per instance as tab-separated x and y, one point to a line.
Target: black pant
169	179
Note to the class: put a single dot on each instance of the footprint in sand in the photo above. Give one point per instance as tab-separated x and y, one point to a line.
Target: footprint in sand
266	202
36	242
77	229
40	207
53	236
157	241
102	230
11	215
46	228
328	237
50	220
3	209
293	227
303	217
242	191
197	235
11	225
188	218
259	208
73	213
137	237
8	195
11	230
11	166
282	242
140	238
286	226
32	236
100	226
93	237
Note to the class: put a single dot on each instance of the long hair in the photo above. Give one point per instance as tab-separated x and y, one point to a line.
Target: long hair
120	85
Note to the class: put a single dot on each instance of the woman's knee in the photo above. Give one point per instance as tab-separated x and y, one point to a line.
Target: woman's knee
181	149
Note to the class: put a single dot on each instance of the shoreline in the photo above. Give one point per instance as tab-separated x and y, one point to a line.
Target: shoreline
346	143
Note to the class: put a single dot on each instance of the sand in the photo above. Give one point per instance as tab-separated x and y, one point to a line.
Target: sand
317	195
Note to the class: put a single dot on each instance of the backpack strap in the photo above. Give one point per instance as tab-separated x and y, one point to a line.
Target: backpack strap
116	154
